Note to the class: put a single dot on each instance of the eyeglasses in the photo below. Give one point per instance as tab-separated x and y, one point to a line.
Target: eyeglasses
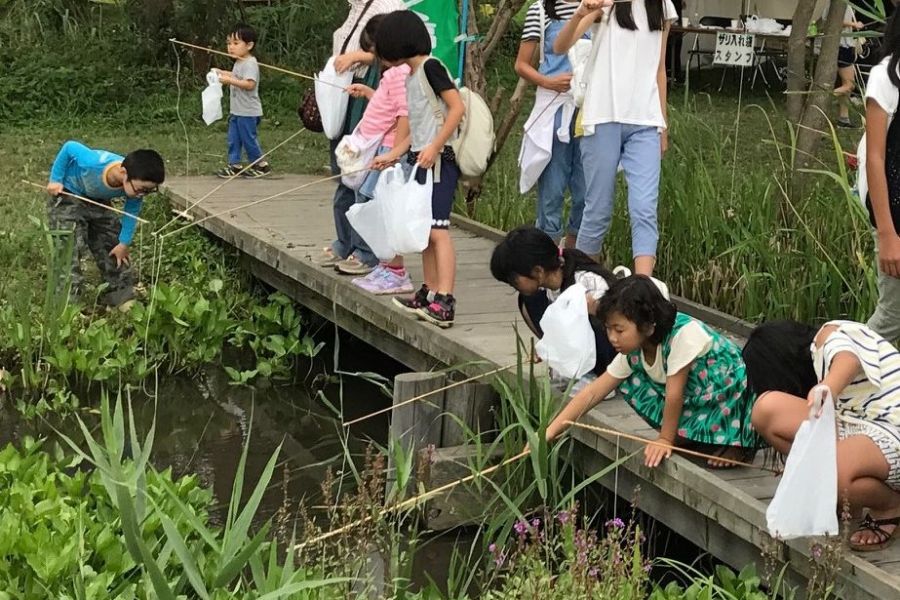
141	192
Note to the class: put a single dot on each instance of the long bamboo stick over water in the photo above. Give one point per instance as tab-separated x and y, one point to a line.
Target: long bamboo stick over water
410	502
91	202
646	442
427	394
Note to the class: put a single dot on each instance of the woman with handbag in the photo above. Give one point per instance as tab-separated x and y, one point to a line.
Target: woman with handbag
347	50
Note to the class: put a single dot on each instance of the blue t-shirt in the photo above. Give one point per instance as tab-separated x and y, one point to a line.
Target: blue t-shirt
82	171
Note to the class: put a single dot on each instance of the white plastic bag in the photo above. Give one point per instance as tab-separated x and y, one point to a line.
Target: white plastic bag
579	56
568	345
367	219
332	98
407	208
805	503
353	155
212	99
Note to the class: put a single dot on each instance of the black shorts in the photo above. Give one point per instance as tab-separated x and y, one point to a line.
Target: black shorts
444	191
846	57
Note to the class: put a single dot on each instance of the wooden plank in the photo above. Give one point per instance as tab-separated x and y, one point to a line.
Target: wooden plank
417	425
472	404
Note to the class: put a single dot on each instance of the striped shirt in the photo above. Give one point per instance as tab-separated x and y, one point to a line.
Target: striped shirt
386	106
533	25
379	7
874	395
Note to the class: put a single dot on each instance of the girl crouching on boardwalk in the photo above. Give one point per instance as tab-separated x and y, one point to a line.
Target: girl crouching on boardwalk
861	370
682	377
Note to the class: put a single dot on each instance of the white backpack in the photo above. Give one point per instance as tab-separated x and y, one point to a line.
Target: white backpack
475	139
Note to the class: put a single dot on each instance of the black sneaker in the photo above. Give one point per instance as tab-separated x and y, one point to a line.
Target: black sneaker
229	171
440	311
845	123
257	171
412	304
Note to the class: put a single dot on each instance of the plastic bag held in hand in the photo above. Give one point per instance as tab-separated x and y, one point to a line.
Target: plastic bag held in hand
212	98
805	503
332	98
568	345
407	208
367	219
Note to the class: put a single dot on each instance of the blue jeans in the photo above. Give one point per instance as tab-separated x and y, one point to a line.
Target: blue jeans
565	170
348	241
638	149
242	136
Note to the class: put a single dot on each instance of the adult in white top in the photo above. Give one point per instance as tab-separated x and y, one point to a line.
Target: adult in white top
624	116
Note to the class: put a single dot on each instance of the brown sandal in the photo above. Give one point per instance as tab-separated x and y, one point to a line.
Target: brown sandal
885	538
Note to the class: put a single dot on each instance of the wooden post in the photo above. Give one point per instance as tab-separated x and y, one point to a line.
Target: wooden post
419	424
471	405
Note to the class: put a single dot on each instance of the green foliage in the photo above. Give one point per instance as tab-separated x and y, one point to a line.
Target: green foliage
61	534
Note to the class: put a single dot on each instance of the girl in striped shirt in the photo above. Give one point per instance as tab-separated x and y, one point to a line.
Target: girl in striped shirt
861	370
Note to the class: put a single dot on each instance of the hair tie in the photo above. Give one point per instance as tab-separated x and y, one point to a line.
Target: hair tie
560	251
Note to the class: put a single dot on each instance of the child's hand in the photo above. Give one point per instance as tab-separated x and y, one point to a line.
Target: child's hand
889	254
358	90
121	254
383	162
559	83
654	454
54	189
591	303
817	398
427	157
588	6
663	142
344	62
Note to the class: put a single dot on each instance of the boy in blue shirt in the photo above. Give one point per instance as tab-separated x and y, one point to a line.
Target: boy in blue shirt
101	176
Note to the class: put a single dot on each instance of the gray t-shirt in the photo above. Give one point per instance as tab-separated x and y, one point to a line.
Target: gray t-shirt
245	103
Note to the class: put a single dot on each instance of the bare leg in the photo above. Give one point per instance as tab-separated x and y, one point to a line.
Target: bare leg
777	417
444	260
848	84
429	267
862	471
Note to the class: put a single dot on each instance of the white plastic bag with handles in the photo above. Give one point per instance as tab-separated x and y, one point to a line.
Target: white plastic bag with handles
407	208
332	98
568	345
212	98
368	220
805	503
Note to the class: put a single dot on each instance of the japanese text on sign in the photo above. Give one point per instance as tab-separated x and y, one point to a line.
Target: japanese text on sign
734	49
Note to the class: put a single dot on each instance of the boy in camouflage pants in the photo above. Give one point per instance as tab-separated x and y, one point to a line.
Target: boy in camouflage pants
101	176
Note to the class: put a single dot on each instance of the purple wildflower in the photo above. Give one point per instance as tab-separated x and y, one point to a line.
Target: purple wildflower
593	572
521	527
817	550
616	523
563	517
536	523
492	548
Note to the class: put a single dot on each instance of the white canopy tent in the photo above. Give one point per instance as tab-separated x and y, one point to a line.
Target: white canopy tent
773	9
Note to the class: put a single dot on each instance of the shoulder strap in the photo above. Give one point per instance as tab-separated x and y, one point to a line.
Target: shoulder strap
543	14
356	25
431	94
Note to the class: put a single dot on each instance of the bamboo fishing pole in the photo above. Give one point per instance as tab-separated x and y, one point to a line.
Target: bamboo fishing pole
427	394
273	67
646	442
89	201
184	213
261	200
411	502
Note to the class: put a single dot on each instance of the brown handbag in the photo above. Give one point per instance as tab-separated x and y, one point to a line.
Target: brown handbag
308	111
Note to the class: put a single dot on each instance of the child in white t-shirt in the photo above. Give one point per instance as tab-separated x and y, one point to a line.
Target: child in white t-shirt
879	180
624	116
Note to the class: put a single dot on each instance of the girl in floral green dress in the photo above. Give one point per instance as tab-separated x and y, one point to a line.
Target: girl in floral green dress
681	376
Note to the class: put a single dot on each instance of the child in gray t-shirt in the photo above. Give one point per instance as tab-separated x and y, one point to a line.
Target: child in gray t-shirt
246	109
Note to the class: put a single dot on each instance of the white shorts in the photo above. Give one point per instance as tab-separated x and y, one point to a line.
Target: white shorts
887	440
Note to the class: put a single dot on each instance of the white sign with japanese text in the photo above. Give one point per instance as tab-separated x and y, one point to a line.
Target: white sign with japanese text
734	49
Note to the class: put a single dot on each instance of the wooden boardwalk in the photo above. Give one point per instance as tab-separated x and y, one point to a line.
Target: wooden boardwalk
722	511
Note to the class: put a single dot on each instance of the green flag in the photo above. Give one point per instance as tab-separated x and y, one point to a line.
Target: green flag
442	20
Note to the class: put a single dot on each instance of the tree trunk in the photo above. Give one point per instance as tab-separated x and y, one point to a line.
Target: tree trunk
508	9
796	66
820	94
474	73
